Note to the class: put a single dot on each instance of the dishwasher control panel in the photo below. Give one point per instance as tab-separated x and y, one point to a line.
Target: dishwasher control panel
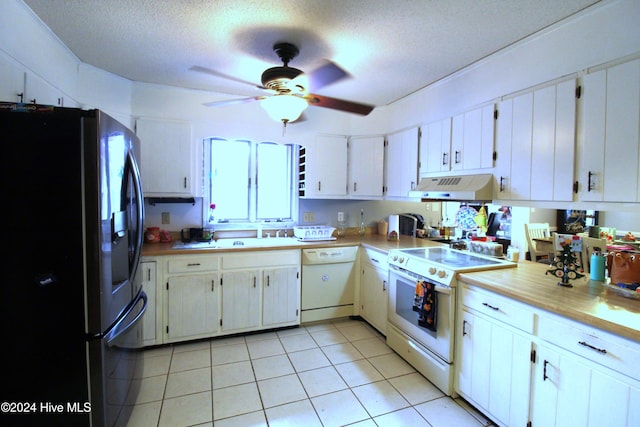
329	255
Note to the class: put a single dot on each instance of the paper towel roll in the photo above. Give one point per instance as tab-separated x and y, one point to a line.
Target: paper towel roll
394	227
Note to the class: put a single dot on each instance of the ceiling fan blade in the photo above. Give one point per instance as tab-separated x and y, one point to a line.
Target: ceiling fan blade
339	104
228	102
325	75
222	75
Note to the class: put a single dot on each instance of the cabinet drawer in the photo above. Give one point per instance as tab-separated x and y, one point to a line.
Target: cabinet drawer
261	259
498	307
593	344
177	264
376	258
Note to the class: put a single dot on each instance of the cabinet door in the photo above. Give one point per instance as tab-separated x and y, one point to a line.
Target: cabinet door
193	306
280	296
148	276
366	164
240	300
12	81
326	167
494	369
569	391
39	91
522	128
504	128
374	296
622	133
166	157
435	147
402	163
472	139
611	139
553	142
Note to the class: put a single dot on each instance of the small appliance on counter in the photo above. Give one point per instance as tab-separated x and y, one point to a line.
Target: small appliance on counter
410	223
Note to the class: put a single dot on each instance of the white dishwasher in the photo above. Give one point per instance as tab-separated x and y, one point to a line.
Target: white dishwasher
328	283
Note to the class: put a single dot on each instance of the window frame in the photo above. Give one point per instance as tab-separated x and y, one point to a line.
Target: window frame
252	176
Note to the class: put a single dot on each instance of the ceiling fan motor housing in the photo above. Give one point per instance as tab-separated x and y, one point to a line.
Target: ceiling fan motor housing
277	78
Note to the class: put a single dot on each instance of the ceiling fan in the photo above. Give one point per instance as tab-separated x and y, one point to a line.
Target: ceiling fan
289	88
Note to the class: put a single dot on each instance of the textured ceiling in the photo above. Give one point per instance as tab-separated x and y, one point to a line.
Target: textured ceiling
391	48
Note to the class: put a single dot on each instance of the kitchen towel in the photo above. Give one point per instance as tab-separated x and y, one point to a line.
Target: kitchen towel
427	298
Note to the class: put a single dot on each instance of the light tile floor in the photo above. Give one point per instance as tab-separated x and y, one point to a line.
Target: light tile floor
326	374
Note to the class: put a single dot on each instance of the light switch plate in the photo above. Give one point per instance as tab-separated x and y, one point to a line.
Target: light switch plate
166	218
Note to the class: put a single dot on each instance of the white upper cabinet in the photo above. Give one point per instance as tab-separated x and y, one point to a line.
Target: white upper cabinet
472	139
325	167
513	142
535	144
610	139
435	147
166	159
553	142
366	164
11	82
401	163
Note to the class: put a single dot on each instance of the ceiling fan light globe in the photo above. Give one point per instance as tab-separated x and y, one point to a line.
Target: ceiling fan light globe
284	108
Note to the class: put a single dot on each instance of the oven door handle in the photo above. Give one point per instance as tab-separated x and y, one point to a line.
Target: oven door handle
402	273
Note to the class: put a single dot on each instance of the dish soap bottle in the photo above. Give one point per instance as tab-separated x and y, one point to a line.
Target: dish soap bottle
361	230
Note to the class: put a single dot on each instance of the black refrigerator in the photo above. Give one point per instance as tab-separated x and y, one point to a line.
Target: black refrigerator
71	309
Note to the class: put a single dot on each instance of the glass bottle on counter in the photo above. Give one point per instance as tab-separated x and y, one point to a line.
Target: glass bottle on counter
361	230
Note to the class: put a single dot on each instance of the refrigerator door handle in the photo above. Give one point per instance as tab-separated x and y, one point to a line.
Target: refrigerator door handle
119	328
135	173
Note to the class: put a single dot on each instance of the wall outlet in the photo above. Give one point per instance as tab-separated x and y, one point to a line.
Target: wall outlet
309	217
166	218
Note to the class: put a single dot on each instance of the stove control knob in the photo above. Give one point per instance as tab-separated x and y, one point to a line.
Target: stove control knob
395	257
432	270
442	274
401	260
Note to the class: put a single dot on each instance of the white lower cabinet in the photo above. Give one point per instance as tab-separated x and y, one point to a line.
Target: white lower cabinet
240	300
192	303
373	288
148	277
207	295
493	360
584	376
559	373
570	391
280	296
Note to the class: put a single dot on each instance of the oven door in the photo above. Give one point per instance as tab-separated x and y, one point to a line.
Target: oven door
402	290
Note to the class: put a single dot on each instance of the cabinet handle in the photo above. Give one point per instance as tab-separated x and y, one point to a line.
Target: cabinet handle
589	185
319	185
195	264
212	285
354	186
185	182
254	281
444	158
457	157
268	280
384	286
464	328
586	344
502	178
490	306
544	370
149	275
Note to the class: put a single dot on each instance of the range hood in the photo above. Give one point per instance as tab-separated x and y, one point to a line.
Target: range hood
455	188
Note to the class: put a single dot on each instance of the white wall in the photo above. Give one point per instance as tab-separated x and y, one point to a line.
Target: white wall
601	34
